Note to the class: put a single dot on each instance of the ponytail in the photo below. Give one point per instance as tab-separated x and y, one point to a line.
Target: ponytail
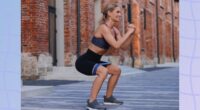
109	7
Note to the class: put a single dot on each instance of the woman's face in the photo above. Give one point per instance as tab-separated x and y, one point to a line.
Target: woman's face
115	15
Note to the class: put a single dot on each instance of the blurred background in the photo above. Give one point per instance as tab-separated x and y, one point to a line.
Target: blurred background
55	32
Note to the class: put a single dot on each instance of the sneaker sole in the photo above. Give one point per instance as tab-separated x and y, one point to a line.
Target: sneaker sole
88	108
107	103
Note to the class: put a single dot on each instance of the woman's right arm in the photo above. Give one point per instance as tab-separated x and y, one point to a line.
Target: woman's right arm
127	43
112	41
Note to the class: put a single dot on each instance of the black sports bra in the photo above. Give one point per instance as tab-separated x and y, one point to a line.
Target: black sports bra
100	42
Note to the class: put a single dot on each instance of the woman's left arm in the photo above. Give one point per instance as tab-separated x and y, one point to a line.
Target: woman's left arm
117	33
127	43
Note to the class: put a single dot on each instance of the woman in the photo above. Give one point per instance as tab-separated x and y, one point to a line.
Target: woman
105	36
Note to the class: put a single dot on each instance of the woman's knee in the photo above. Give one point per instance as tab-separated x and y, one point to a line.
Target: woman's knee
115	70
118	70
102	72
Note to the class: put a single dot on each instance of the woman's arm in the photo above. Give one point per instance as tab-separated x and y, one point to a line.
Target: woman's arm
127	43
117	33
111	40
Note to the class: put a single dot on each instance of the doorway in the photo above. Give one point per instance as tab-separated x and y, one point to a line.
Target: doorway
52	30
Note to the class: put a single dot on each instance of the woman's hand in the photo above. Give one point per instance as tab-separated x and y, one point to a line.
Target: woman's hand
130	28
131	25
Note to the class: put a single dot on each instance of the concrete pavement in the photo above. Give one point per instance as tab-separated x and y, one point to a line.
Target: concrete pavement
150	90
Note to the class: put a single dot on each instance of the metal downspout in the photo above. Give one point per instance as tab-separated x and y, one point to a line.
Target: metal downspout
130	21
157	33
172	9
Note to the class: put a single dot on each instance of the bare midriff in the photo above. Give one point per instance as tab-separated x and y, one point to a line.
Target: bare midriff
96	49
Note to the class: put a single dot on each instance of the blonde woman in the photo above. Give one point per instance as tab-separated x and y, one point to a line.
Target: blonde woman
105	36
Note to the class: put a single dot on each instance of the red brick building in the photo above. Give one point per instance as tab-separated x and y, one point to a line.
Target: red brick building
62	29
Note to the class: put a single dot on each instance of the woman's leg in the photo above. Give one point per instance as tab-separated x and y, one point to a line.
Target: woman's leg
115	73
97	83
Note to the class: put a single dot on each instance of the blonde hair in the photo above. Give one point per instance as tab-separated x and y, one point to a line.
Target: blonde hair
106	9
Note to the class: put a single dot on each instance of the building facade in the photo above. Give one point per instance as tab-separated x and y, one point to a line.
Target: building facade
55	32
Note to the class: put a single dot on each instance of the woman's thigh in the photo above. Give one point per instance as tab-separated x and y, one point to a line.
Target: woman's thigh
113	69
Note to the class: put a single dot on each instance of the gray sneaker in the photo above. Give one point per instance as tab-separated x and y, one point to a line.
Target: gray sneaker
94	105
112	101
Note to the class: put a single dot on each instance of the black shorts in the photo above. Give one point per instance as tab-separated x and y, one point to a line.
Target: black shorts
89	62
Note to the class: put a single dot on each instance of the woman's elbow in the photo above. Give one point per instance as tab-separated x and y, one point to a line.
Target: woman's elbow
123	48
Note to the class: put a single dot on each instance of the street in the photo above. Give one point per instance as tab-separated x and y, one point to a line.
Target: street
150	90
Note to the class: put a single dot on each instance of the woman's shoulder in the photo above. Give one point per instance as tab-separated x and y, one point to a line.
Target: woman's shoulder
101	28
104	28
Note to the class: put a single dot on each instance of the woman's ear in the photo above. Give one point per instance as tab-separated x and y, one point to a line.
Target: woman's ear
109	13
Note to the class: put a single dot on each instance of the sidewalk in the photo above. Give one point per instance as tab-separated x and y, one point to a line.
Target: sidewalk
33	88
140	90
41	87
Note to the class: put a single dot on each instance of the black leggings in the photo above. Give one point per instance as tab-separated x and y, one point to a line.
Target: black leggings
89	62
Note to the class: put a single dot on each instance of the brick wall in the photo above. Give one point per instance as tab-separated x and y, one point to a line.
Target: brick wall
70	31
176	30
34	26
161	30
34	37
87	22
35	29
149	38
